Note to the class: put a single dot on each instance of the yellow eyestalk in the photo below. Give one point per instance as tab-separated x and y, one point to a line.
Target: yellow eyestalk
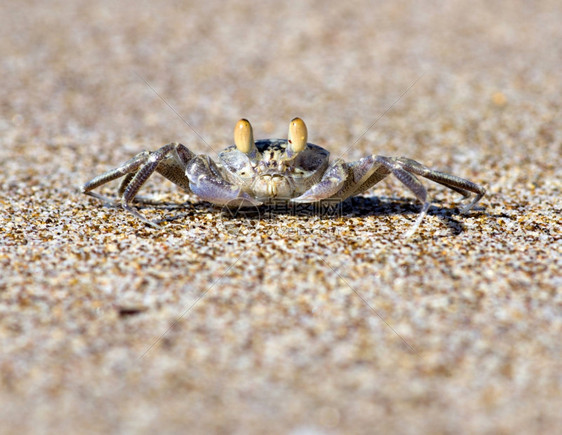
298	136
244	137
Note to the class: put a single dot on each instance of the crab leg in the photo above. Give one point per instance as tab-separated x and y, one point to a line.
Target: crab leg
172	167
362	175
170	170
413	184
458	184
128	169
368	171
330	184
170	161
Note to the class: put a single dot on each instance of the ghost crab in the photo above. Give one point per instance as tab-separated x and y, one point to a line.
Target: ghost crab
250	173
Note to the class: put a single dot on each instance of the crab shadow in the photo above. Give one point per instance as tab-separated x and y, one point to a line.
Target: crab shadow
385	206
355	207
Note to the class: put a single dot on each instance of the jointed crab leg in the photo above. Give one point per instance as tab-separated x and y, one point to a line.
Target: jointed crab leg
342	180
172	168
404	169
128	169
458	184
170	161
197	174
331	183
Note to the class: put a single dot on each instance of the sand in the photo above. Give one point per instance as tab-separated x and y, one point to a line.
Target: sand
281	323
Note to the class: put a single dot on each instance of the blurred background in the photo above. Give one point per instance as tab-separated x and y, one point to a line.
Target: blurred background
281	343
437	71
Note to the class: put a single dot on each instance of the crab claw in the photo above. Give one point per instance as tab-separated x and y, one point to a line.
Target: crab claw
298	135
330	184
220	192
206	183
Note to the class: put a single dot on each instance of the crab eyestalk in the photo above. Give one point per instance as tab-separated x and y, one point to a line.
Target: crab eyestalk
298	135
244	138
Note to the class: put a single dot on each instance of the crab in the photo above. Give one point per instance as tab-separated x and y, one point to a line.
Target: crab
251	173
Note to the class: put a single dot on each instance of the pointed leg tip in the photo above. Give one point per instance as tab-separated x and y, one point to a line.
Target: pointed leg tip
408	235
140	217
305	198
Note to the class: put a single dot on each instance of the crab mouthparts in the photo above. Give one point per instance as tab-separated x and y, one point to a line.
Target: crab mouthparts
273	186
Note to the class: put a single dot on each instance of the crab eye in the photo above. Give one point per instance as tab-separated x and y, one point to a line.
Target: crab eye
244	136
298	135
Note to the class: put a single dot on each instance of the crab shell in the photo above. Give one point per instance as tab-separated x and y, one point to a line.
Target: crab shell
271	172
